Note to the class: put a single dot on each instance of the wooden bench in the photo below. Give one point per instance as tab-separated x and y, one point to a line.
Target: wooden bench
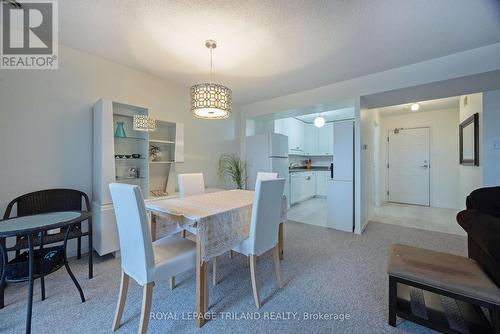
440	274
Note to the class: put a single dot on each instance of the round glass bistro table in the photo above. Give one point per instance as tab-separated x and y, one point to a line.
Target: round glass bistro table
36	263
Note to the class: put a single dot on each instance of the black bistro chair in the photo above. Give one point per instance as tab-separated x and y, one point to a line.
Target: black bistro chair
47	201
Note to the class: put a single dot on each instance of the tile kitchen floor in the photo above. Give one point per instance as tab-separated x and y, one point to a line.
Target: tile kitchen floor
422	217
311	211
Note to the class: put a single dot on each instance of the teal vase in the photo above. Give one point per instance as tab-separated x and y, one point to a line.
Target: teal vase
120	131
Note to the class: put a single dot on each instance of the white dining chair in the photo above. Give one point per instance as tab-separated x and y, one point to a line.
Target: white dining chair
191	184
262	176
264	227
141	259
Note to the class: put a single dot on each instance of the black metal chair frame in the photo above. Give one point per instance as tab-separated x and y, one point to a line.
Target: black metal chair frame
31	254
42	201
34	203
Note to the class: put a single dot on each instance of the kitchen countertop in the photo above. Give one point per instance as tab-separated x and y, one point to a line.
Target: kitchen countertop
312	169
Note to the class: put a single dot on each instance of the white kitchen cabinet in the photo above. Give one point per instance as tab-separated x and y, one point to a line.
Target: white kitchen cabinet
295	130
296	135
302	186
295	187
306	139
321	179
309	185
325	139
311	139
279	127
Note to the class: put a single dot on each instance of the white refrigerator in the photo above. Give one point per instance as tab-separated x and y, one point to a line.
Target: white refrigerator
267	153
340	187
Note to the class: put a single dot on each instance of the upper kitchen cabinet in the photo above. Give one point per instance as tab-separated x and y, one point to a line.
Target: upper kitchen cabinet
311	139
295	130
305	138
325	140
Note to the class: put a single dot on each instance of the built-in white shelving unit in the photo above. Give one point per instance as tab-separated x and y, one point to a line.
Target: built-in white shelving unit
126	159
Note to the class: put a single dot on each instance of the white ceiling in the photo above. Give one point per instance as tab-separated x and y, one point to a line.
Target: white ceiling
273	48
329	116
439	104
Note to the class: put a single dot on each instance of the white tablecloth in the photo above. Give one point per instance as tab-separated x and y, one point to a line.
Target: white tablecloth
222	218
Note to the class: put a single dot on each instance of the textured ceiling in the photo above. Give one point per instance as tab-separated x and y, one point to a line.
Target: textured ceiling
273	48
438	104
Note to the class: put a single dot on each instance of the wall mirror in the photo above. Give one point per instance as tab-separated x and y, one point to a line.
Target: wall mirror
469	141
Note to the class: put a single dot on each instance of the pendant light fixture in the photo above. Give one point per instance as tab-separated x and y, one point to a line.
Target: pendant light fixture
319	121
211	100
144	123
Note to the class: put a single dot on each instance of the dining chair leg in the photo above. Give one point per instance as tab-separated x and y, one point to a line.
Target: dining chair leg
277	267
253	276
201	285
146	307
214	270
79	248
91	250
153	227
231	254
183	233
172	282
281	240
122	298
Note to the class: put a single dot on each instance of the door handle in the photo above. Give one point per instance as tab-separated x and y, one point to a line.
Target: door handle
425	166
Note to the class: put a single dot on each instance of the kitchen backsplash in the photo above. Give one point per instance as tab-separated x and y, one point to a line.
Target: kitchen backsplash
317	161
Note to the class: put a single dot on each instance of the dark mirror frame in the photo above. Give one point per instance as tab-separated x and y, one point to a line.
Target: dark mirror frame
474	119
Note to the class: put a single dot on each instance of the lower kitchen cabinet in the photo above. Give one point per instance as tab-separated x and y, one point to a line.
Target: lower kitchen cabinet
302	186
321	179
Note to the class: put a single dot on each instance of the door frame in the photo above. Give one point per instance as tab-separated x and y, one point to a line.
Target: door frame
387	157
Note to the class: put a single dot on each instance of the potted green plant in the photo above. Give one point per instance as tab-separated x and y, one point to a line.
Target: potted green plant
231	169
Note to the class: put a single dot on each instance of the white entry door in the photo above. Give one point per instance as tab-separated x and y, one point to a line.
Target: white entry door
409	166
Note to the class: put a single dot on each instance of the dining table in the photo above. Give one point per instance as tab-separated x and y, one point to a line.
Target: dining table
220	220
48	259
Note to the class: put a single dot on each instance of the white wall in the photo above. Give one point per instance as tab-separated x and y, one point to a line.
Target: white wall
471	177
370	120
46	122
491	134
444	172
455	66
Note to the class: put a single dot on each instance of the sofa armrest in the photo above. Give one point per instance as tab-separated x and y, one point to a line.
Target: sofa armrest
484	229
486	200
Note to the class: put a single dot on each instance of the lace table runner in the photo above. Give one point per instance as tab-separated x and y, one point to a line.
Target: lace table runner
222	219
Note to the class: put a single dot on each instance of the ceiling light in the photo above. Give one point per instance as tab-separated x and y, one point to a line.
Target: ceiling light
319	122
415	107
144	123
211	100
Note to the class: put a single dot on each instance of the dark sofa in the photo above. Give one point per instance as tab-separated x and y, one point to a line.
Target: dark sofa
481	221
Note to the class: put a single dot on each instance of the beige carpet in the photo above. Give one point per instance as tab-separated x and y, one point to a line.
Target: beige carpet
325	272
